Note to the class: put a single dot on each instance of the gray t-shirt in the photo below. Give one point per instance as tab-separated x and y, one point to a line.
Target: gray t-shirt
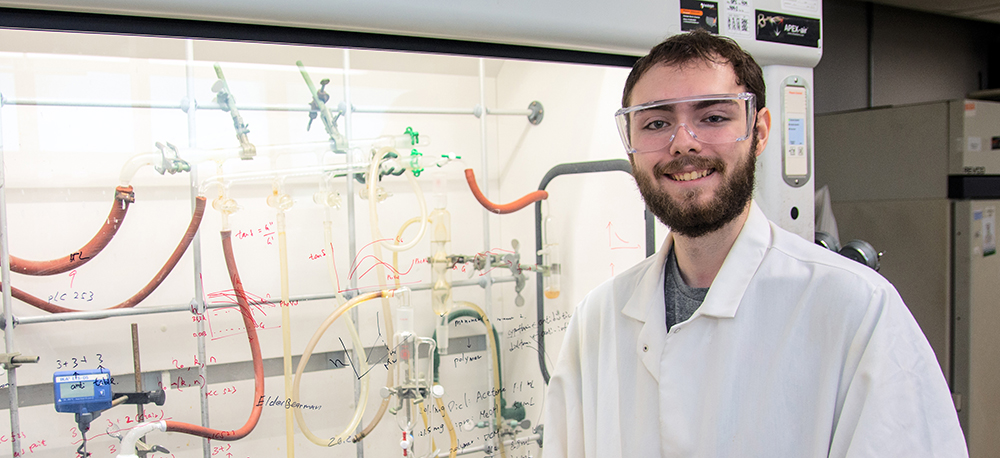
680	299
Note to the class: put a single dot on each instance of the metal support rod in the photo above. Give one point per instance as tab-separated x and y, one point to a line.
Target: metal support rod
198	301
93	104
8	313
498	112
569	169
410	110
137	368
152	105
475	111
300	108
352	241
485	186
153	310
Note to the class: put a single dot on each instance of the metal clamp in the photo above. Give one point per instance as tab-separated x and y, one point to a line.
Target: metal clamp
171	162
12	360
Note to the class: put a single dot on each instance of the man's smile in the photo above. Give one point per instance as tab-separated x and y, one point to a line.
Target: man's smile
689	176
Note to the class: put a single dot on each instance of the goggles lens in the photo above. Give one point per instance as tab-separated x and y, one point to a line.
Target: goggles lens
712	119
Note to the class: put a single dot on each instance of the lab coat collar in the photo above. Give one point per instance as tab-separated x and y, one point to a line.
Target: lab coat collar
741	264
646	304
729	285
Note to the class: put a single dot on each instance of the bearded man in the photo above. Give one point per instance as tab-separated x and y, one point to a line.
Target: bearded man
738	338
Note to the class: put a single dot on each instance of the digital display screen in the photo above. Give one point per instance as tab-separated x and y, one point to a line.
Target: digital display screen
82	389
796	131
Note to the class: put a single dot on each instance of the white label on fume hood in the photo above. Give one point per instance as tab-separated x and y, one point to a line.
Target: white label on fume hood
738	18
809	6
974	144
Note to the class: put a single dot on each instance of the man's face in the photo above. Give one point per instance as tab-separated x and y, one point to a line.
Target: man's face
695	188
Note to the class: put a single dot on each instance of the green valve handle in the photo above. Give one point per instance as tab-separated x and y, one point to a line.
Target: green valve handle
414	135
415	162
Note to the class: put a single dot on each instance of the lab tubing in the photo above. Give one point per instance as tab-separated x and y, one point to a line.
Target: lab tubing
134	434
373	175
307	353
502	209
146	290
123	197
359	346
258	364
451	428
386	310
281	201
497	387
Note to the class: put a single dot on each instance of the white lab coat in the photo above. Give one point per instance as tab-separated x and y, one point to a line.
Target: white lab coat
795	352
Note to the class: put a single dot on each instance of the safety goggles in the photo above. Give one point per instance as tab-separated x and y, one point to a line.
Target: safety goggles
711	119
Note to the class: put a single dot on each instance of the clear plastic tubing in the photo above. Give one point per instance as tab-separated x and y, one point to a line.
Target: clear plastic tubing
307	353
281	201
491	340
359	346
132	437
380	272
373	200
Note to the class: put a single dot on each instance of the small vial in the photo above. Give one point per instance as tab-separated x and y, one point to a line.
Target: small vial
550	259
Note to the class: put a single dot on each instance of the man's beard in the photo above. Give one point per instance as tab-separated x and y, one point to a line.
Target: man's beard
685	216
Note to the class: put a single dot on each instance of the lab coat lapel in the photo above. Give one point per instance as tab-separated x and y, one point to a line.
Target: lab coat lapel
741	264
645	304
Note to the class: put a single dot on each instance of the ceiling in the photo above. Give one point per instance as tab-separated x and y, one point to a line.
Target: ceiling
980	10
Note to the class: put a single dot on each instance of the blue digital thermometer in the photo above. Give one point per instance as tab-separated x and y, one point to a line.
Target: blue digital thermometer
82	391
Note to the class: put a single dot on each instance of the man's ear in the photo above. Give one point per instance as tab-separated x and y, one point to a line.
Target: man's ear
763	127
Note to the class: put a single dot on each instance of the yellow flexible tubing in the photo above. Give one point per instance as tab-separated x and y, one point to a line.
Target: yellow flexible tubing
453	450
423	414
399	235
380	269
362	362
308	353
373	200
286	332
451	429
491	339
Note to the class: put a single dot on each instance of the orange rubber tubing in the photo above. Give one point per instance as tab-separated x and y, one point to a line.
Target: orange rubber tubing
502	209
123	197
258	362
192	229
